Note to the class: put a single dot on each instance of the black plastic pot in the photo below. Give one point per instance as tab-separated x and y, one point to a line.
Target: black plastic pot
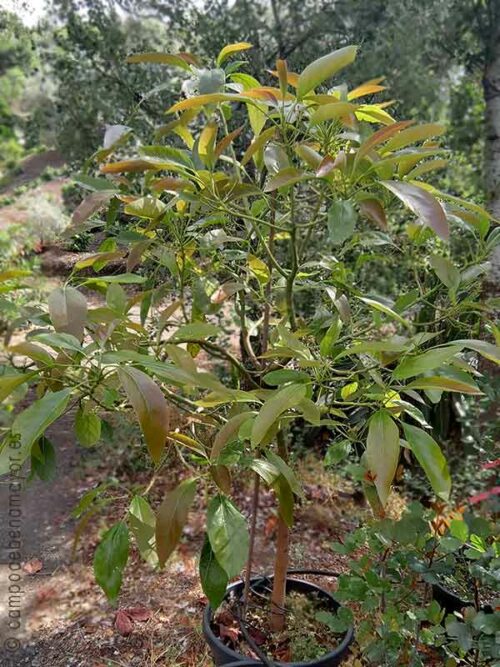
223	655
451	602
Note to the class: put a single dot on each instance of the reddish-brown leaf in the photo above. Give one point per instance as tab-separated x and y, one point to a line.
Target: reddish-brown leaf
123	623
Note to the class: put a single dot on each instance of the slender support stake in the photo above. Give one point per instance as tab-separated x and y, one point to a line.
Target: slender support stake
251	546
281	562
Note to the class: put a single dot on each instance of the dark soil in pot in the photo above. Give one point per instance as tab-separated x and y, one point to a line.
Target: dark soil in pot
306	641
449	597
454	592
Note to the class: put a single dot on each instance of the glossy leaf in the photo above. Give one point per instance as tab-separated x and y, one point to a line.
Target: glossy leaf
427	361
228	535
382	452
414	134
171	518
334	111
228	433
11	380
230	49
383	308
423	204
30	424
374	211
485	349
273	408
442	383
213	578
201	100
110	559
283	178
324	68
379	137
430	457
150	406
142	523
147	207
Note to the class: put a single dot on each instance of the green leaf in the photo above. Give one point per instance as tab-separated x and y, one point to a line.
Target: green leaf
285	470
442	383
284	177
265	470
121	278
150	406
30	425
459	529
33	351
147	207
258	269
110	559
337	452
229	432
68	311
429	455
285	499
413	134
43	460
424	362
142	522
330	338
87	428
342	219
332	112
273	408
229	49
285	375
228	535
485	349
117	299
382	452
324	68
196	330
446	271
59	341
377	305
171	518
11	380
423	204
213	578
348	390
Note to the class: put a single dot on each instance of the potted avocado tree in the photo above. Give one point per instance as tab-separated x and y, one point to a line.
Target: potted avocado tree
263	234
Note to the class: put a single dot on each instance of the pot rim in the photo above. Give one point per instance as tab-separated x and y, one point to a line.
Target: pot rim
240	658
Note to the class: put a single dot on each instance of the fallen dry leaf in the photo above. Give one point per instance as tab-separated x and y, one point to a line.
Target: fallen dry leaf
231	633
139	614
33	566
123	623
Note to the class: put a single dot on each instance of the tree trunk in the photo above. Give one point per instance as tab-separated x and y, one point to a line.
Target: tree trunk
491	88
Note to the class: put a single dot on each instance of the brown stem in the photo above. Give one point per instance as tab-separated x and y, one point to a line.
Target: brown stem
281	561
251	547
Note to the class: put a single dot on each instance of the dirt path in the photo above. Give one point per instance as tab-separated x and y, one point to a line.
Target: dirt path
45	534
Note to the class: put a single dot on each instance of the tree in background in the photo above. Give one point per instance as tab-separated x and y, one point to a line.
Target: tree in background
17	61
